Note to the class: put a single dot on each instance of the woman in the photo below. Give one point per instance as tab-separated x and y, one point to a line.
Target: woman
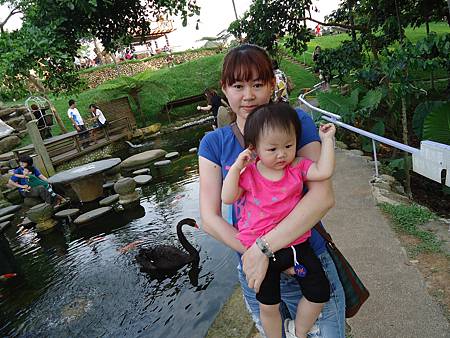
98	120
214	102
248	82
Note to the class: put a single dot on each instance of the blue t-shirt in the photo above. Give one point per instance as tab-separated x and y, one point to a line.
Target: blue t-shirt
222	148
23	181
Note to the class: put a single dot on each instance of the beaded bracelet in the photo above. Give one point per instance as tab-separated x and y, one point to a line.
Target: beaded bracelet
265	248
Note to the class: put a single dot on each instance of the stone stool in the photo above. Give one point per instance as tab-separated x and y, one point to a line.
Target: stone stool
113	174
193	150
142	179
108	186
41	214
92	215
163	167
126	188
9	210
172	155
144	171
109	200
67	214
4	225
6	218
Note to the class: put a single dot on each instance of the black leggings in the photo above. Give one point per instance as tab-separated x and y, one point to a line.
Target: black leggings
314	285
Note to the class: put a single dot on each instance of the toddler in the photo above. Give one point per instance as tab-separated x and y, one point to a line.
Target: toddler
266	182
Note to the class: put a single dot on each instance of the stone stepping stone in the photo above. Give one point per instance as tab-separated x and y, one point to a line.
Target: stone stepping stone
109	200
142	159
144	171
193	150
108	185
91	215
26	222
4	225
6	218
8	210
162	163
142	179
172	155
67	213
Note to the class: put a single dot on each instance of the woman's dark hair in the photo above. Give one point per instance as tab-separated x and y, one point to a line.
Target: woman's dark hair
245	62
270	116
93	106
26	159
210	93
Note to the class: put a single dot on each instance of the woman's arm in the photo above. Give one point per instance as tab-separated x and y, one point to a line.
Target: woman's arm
211	206
207	108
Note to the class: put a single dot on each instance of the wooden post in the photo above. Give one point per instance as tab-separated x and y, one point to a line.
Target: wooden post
39	146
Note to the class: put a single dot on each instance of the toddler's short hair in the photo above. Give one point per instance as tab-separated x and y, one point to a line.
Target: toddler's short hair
271	116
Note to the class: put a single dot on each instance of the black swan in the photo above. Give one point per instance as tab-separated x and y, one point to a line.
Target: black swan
167	257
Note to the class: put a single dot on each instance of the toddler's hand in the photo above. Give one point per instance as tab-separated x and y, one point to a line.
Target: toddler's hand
245	158
327	131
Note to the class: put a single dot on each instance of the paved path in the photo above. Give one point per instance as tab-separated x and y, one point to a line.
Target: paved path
399	305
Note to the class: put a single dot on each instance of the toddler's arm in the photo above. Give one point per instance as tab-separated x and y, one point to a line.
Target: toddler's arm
324	167
20	175
230	188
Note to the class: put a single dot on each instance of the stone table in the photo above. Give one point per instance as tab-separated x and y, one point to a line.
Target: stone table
86	180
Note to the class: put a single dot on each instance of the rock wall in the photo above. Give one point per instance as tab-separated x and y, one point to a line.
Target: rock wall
97	77
16	117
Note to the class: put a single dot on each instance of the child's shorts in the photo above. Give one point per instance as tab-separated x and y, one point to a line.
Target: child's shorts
314	284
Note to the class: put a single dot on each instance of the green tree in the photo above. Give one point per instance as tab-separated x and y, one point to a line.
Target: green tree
52	30
266	21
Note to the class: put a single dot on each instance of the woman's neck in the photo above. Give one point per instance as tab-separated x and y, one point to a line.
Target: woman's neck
240	123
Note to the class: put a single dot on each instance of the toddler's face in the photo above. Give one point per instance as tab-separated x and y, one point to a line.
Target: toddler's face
276	148
26	171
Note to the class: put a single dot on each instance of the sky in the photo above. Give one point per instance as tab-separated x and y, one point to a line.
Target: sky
215	16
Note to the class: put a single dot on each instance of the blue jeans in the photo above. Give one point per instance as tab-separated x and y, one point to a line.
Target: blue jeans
331	321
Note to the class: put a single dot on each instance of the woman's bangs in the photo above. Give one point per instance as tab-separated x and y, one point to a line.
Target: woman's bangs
246	66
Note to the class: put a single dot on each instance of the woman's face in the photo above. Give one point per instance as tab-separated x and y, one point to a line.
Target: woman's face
92	109
245	96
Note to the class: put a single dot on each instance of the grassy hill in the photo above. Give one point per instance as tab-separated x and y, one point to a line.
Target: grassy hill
168	84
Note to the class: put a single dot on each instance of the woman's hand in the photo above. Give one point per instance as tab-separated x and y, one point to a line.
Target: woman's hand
254	265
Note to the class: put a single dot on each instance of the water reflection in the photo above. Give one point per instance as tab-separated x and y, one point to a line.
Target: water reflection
79	283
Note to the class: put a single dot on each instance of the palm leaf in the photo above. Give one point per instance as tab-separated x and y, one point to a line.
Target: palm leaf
421	112
334	102
371	100
437	125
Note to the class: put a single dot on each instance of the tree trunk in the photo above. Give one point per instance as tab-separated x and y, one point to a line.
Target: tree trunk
43	91
98	51
406	156
351	19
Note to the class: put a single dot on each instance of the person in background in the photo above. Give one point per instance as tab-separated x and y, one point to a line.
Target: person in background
214	101
280	93
98	120
77	120
40	187
44	130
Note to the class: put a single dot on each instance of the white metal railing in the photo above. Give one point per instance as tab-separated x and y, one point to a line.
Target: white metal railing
431	160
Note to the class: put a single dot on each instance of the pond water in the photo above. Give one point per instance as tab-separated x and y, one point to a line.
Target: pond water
78	282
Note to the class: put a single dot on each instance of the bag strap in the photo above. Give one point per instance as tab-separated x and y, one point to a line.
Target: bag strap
326	236
238	134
